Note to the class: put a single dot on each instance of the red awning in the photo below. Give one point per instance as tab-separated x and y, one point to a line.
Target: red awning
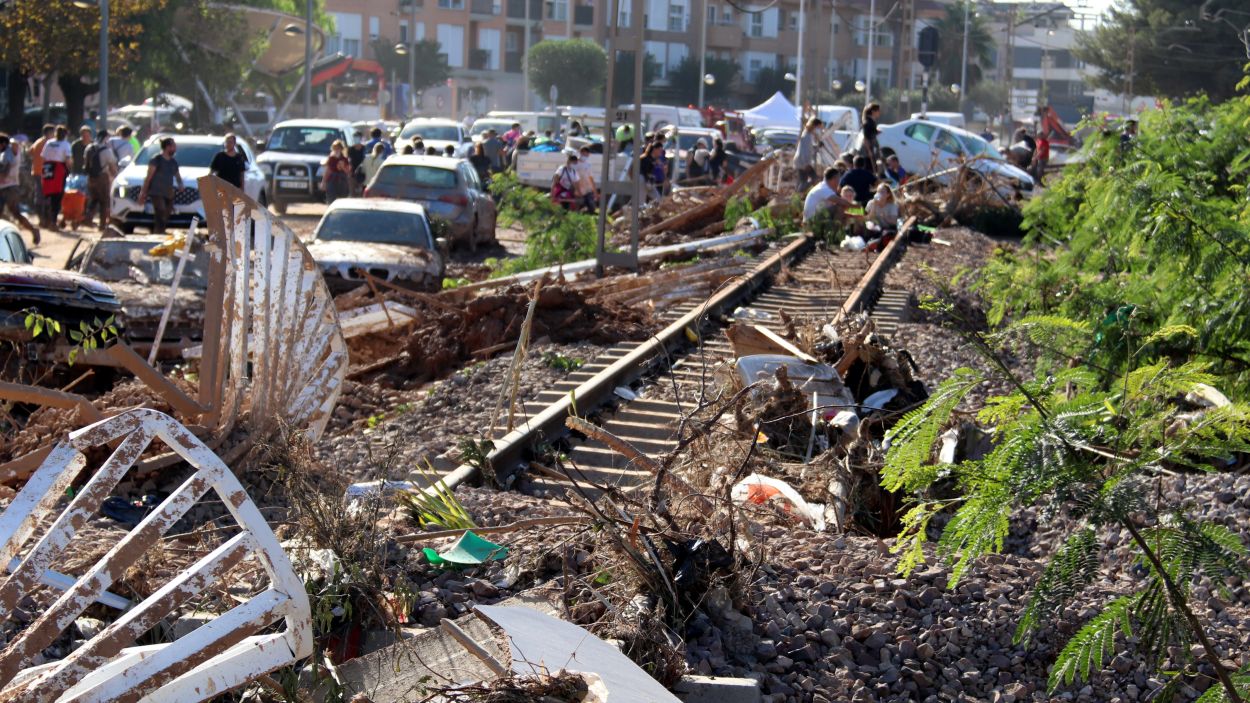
339	68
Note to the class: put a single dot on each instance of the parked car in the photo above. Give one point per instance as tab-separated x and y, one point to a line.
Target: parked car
775	138
390	128
952	119
538	122
67	297
12	248
928	148
439	134
293	158
141	282
449	189
389	239
195	153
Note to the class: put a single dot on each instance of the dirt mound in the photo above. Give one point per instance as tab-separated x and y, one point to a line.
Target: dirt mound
446	337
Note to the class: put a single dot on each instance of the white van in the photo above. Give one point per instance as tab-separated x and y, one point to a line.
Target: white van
539	122
657	117
953	119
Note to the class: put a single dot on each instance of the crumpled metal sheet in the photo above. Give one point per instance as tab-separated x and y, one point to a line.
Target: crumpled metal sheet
273	345
269	630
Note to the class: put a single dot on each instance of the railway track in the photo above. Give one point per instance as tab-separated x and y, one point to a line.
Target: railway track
665	374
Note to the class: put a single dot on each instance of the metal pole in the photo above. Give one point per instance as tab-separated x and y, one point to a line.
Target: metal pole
1008	65
610	16
872	36
102	123
525	58
702	52
308	58
963	61
798	70
412	60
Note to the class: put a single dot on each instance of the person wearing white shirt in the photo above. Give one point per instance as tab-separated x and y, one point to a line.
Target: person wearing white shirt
882	210
822	195
57	157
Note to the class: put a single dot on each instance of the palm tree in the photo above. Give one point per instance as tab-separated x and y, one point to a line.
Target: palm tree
951	42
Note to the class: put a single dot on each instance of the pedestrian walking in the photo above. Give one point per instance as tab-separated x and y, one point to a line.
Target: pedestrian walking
11	184
356	154
375	138
493	148
36	172
100	165
123	147
229	164
1041	157
159	184
57	159
480	163
805	153
78	148
373	162
337	171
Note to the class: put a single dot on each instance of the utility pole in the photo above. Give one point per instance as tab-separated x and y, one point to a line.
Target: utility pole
525	57
308	58
702	52
1008	71
412	60
872	39
102	123
963	63
798	70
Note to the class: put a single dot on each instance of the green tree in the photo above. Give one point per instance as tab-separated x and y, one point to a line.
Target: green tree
1173	48
770	80
429	63
624	87
951	43
686	78
576	67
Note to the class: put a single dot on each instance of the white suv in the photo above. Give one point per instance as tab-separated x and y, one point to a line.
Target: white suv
293	157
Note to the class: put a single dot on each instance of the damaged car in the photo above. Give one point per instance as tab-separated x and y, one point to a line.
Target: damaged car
66	297
140	269
390	240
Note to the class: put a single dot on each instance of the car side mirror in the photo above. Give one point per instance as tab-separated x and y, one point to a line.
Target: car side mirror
444	246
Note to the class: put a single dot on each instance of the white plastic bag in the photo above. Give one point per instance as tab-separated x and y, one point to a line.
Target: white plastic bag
761	490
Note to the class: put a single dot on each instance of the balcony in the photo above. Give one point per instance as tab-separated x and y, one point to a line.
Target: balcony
479	59
483	7
516	9
512	62
584	15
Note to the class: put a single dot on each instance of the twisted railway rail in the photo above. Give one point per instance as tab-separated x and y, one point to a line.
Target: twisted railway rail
673	366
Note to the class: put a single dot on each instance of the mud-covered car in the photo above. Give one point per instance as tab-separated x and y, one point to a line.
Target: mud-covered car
388	239
66	297
141	281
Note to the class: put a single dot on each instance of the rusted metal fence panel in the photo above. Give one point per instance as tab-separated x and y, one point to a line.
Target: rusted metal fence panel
265	632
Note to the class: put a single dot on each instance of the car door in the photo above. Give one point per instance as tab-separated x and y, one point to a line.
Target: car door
948	152
482	203
915	148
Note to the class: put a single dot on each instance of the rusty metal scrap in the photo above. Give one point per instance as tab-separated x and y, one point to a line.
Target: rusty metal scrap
270	630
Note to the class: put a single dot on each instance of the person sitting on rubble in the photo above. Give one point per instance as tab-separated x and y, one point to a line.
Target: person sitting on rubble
861	178
894	170
824	195
564	183
882	211
654	167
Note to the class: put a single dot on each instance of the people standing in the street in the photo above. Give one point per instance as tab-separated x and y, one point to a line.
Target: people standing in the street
625	139
492	147
123	147
716	164
11	184
57	159
1041	157
356	153
78	148
513	135
337	171
229	164
36	171
159	184
861	178
586	190
697	163
480	163
373	162
375	138
575	130
805	153
100	164
870	148
654	170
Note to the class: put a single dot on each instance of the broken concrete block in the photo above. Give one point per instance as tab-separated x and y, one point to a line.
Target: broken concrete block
712	689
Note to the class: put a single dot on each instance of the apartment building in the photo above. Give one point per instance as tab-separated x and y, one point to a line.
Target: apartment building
484	41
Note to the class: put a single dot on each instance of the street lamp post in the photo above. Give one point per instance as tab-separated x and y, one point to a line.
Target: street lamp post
798	70
103	121
412	60
308	58
963	63
872	36
703	53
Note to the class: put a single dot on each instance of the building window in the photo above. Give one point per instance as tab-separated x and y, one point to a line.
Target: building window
727	15
512	43
794	20
711	14
451	4
753	69
557	10
757	25
622	19
676	18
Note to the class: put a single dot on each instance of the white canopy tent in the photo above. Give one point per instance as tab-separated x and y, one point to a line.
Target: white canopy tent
776	111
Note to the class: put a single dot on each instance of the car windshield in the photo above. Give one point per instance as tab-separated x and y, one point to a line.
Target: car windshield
376	226
482	125
976	146
128	260
442	133
412	175
193	155
304	140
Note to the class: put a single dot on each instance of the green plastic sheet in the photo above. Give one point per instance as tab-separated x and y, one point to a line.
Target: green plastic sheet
468	549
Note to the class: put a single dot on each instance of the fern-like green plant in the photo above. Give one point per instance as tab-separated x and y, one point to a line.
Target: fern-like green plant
1073	441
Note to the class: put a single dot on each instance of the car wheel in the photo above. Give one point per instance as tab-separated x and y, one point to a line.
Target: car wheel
279	207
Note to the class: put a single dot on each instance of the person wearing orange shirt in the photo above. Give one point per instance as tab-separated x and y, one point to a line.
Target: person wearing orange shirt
36	170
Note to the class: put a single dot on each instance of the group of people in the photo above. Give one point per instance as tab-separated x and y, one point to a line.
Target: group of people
55	166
